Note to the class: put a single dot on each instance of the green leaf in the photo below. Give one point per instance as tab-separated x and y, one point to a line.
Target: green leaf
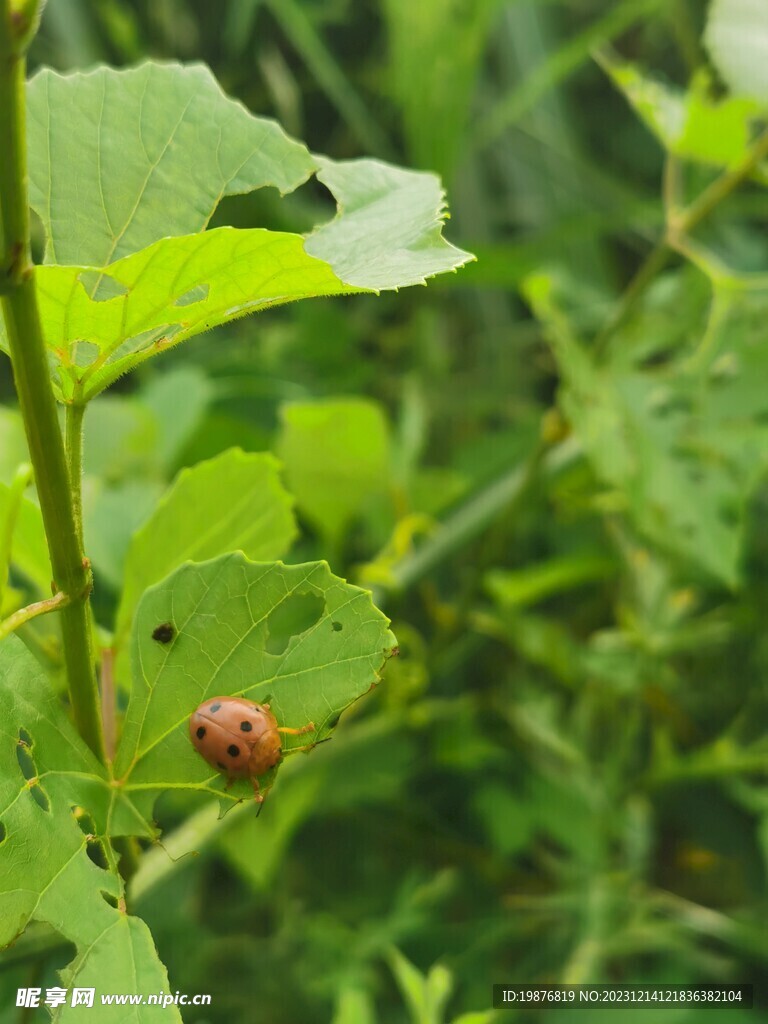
296	634
354	1005
737	40
388	233
337	459
46	774
233	501
112	516
691	124
426	997
29	546
122	959
179	400
13	443
121	158
684	441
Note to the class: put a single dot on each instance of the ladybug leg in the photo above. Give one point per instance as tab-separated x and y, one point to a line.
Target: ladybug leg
257	795
310	727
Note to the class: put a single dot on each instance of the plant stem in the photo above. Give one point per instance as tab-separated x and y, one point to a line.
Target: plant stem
73	446
31	611
679	225
33	384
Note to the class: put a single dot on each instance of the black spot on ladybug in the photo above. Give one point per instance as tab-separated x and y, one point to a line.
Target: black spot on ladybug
221	767
215	707
164	633
336	627
232	750
201	732
245	726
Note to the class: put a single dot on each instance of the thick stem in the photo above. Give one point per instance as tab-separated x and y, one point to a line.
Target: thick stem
33	384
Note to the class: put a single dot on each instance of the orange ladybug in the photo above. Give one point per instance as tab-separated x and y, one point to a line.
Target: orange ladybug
240	738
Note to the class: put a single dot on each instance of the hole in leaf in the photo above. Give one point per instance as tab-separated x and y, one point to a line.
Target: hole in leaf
336	627
83	353
41	798
25	759
295	615
2	833
197	294
110	899
101	287
26	738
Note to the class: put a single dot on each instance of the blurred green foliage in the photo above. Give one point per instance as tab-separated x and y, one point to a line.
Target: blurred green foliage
557	494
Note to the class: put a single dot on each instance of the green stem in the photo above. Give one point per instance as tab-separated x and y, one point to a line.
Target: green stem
21	480
679	225
33	383
31	611
73	445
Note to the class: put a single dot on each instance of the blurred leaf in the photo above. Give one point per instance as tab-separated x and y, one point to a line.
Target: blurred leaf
179	400
119	159
234	501
354	1005
690	124
529	585
13	444
507	818
337	458
426	997
222	612
684	441
120	438
112	515
29	546
737	40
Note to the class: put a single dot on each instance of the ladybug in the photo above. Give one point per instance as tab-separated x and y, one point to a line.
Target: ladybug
239	737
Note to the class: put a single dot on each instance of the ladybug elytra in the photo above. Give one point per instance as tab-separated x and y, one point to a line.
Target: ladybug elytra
239	737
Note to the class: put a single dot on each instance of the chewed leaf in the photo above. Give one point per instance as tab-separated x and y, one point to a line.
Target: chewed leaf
241	271
48	778
126	169
297	634
121	158
386	235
